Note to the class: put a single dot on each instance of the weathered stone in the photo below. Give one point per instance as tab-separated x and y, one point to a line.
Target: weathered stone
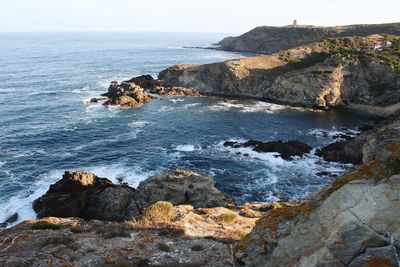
181	187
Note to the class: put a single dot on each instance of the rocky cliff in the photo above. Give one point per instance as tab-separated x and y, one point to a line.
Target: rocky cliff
334	72
267	40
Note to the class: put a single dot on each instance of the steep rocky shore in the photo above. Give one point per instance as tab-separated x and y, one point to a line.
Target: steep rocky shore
334	72
353	222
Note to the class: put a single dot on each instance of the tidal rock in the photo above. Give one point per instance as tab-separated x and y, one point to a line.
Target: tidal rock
146	81
286	149
345	151
126	95
181	187
174	91
97	99
81	194
12	219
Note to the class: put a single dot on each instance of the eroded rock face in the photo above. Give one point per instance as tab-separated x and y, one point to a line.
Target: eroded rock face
286	149
351	223
181	187
81	194
84	195
126	95
312	75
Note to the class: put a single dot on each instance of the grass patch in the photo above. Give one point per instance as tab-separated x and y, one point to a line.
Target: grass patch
226	217
161	211
43	225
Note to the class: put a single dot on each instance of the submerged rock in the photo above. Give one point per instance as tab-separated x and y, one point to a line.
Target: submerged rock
12	219
286	149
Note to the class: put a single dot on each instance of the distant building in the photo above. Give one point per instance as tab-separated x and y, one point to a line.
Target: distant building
295	23
378	46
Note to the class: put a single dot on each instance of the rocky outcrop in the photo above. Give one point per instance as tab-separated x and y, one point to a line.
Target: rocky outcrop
126	95
84	195
285	149
351	223
335	72
345	151
194	237
181	187
267	39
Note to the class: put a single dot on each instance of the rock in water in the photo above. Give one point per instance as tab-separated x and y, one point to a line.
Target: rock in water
181	187
81	194
84	195
126	95
286	149
146	81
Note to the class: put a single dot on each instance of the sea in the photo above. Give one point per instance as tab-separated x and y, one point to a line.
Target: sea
47	127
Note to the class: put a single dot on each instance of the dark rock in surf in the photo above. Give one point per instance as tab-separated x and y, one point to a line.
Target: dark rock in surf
286	149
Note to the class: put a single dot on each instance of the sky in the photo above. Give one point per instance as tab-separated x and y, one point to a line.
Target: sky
224	16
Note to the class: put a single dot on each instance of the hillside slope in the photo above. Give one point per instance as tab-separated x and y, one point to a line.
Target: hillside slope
267	39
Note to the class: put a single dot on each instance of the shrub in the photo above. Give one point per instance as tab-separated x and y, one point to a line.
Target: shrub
161	211
226	217
393	164
43	225
164	247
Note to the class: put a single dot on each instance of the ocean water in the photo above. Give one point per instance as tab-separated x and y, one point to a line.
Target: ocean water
46	127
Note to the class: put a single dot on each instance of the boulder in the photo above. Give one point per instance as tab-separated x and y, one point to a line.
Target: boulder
146	81
126	95
181	187
82	194
286	149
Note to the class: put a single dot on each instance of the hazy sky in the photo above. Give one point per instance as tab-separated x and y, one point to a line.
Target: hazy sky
227	16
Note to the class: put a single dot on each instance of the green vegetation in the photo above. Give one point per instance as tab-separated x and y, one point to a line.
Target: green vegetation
320	71
226	217
164	247
393	164
301	63
43	225
161	211
389	56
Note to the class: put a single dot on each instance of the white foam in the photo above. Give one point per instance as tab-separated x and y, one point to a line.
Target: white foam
191	105
185	148
22	203
175	100
2	163
141	123
332	133
252	106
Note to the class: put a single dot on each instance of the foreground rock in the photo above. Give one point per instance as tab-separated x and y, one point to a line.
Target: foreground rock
354	222
126	95
84	195
345	151
193	237
285	149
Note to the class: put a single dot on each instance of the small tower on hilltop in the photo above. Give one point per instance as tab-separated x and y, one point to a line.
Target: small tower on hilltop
295	23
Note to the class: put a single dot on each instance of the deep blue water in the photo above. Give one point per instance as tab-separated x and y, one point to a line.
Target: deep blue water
46	127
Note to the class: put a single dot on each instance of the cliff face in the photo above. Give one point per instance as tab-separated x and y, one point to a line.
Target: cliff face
267	40
323	74
354	222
